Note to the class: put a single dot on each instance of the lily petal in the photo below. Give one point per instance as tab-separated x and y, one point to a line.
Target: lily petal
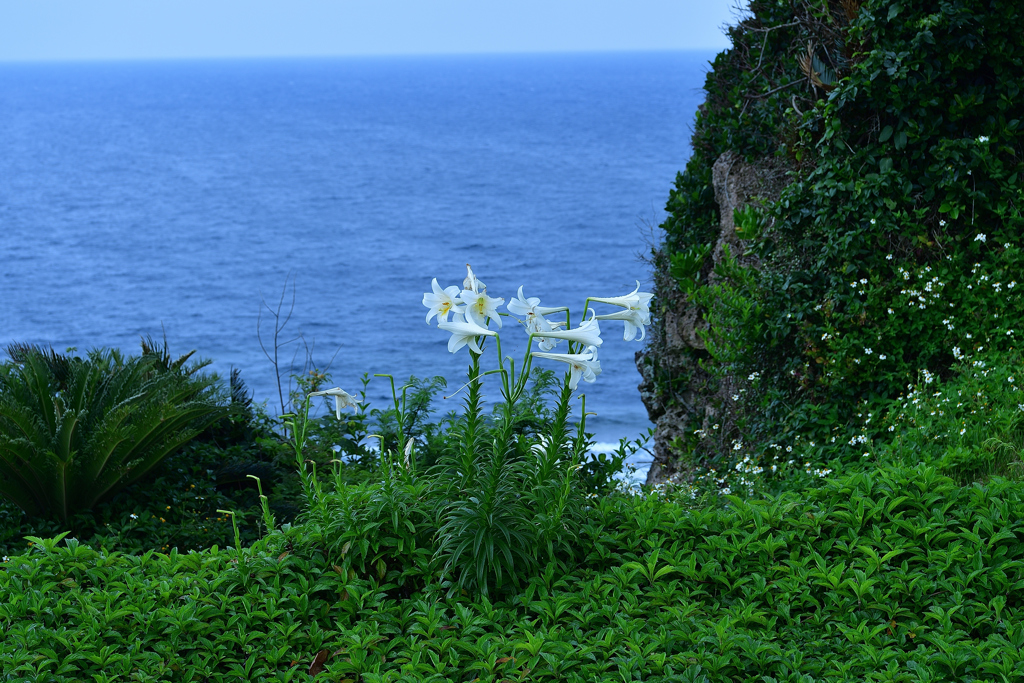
342	399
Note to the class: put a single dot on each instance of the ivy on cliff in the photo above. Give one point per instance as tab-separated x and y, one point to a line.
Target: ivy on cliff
896	244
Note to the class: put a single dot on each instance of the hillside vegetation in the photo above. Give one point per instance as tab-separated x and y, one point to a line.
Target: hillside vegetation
870	158
835	373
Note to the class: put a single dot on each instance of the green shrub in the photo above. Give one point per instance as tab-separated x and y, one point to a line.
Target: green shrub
173	506
906	574
74	430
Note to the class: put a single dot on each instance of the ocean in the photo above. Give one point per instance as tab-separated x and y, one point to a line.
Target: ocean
172	198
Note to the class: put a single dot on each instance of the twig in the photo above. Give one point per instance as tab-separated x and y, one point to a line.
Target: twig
278	328
772	28
772	92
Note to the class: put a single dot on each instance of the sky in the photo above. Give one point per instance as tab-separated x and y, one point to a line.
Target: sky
68	30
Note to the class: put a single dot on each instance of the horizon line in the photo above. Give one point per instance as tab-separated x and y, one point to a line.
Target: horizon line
353	55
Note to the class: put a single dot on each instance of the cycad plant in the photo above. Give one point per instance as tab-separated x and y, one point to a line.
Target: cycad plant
75	430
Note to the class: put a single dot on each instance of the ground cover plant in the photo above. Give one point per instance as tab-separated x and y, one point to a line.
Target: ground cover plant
897	575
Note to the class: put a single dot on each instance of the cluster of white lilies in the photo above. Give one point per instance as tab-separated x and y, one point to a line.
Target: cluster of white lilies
472	311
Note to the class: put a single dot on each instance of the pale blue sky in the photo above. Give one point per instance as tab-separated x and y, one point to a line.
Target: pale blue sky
146	29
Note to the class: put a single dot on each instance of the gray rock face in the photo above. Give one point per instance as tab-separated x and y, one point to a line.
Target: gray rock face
676	347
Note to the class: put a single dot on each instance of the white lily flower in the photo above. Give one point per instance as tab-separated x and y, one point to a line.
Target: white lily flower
545	325
441	302
588	334
342	399
634	301
634	322
481	306
471	283
583	366
533	312
531	307
466	332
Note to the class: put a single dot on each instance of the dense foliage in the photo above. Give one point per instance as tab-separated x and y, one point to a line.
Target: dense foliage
856	513
895	247
906	574
74	430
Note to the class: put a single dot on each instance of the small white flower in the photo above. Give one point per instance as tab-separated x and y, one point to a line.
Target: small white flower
583	366
342	399
481	305
633	320
534	314
982	138
441	302
471	282
530	309
868	351
587	334
133	516
882	356
981	237
889	257
466	332
636	301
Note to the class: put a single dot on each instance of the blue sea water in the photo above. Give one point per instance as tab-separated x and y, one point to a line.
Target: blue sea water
152	198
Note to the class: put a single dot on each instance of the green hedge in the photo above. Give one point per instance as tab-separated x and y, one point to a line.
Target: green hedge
895	575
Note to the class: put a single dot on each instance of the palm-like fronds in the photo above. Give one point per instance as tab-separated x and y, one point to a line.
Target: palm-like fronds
73	430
